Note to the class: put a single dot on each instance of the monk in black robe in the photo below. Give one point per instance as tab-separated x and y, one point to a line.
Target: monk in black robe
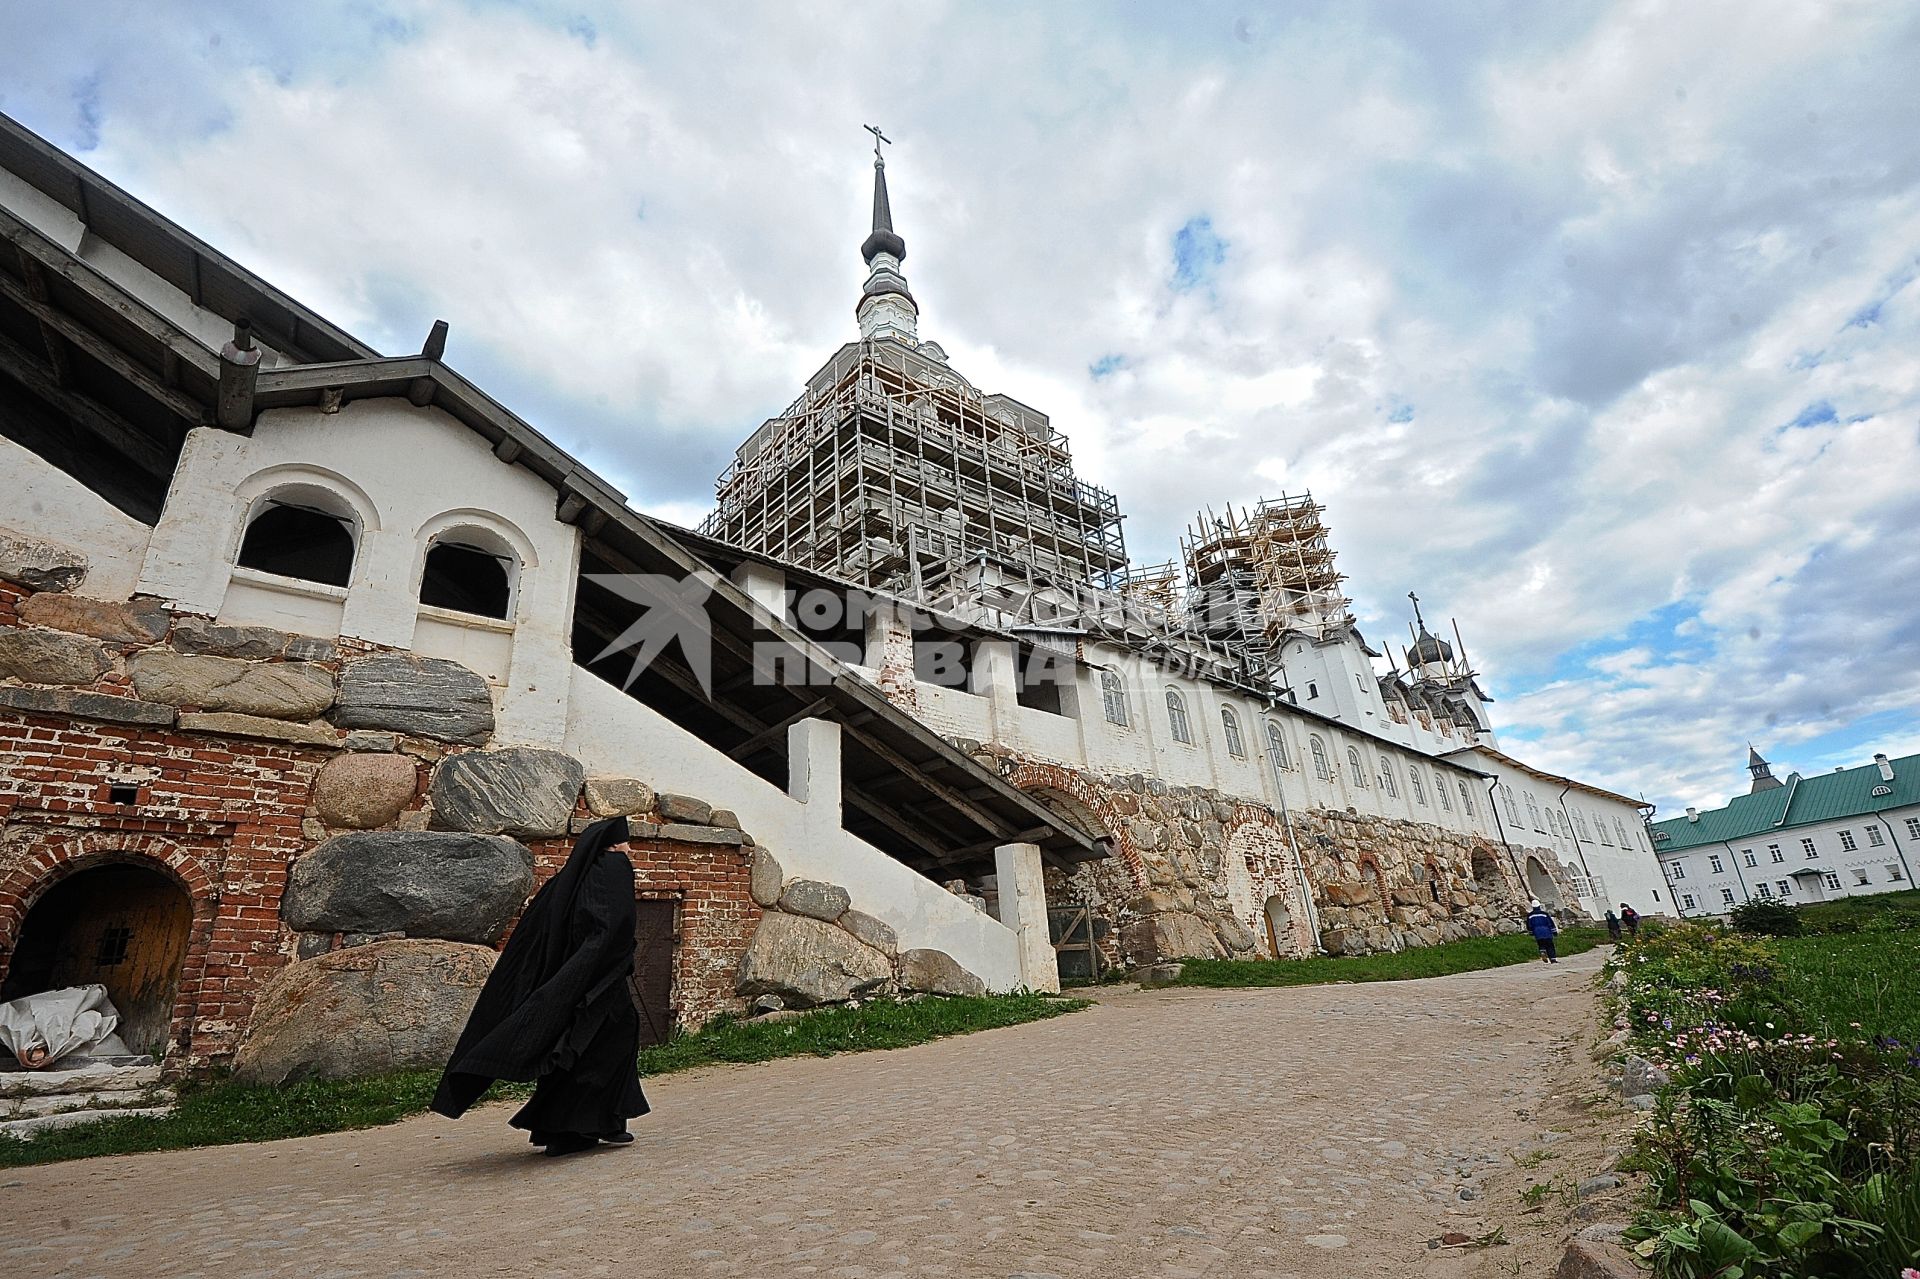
557	1007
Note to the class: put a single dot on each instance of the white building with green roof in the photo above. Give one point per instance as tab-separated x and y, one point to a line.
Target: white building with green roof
1846	833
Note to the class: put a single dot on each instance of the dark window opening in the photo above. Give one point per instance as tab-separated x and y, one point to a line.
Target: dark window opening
292	541
946	660
123	794
113	946
1041	673
466	580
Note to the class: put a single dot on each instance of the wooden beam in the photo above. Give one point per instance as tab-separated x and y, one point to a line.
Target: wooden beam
88	414
772	732
986	820
36	303
55	326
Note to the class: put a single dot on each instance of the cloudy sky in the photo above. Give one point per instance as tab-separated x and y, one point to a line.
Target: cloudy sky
1595	324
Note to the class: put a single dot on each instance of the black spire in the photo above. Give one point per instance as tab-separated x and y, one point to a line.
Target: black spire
1761	771
883	239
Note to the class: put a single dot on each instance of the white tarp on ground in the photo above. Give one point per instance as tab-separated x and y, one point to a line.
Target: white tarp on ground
41	1029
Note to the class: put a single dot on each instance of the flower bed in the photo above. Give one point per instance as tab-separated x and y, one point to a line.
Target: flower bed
1788	1142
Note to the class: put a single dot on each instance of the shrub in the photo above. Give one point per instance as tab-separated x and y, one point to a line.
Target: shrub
1761	917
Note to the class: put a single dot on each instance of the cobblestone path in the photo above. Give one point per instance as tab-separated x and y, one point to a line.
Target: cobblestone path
1314	1132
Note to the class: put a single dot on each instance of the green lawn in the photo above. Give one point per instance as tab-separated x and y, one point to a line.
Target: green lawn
215	1114
1834	982
1420	961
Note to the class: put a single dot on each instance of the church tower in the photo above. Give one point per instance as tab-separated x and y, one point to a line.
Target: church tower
886	307
1762	773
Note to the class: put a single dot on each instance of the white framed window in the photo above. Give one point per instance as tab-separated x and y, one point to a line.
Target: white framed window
1230	727
1860	877
1713	860
1746	855
1846	844
1773	851
1894	876
1277	745
1600	825
1354	769
1764	889
1726	897
1113	698
1513	810
1313	690
1677	870
1786	888
1621	832
1686	900
1177	718
1913	827
1386	778
1833	880
1414	784
1875	839
1440	791
1322	767
1466	797
1533	811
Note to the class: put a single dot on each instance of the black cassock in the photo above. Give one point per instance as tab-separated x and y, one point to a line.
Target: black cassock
557	1007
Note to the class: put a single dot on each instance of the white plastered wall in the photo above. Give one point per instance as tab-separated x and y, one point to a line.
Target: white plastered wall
407	474
44	503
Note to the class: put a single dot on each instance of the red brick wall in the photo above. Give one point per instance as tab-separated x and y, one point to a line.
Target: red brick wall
219	816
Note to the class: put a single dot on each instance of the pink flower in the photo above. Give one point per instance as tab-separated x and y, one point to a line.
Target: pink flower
1910	1273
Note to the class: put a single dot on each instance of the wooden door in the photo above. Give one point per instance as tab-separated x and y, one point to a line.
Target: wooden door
654	936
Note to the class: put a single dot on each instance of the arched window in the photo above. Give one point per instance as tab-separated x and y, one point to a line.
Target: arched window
1230	726
1600	828
1354	769
1533	811
301	533
1466	797
1177	717
1386	778
467	576
1418	787
1113	697
1506	796
1621	831
1321	768
1277	745
1553	823
1440	791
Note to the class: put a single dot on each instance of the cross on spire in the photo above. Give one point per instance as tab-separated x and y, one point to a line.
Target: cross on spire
878	138
1416	610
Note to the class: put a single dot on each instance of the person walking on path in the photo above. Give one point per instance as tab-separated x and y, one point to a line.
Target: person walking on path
1631	919
1613	928
1541	925
558	1009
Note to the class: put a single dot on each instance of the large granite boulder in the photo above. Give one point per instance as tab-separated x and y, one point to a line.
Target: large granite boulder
1173	935
362	792
517	791
204	635
371	1010
38	565
807	962
815	900
877	933
277	690
618	797
50	657
764	878
937	973
422	695
142	622
421	883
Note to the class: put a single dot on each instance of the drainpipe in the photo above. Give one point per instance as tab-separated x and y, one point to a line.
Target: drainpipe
1493	806
1899	850
1745	895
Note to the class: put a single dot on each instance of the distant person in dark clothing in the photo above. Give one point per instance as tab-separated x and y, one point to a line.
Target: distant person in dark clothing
1631	919
1613	928
557	1007
1541	925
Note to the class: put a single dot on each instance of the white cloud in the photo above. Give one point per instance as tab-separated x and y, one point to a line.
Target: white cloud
1528	303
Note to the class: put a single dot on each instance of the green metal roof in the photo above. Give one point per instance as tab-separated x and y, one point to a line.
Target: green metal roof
1803	801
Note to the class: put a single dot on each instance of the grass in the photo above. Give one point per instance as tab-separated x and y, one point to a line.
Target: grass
1420	961
222	1113
1836	982
1849	914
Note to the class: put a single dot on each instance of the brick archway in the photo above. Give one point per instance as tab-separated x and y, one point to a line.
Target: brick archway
1256	836
61	855
1079	800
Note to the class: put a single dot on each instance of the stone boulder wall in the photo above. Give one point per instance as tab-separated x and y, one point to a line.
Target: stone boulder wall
935	972
364	791
51	657
518	791
808	962
273	690
421	695
141	622
40	565
455	887
383	1007
1170	935
618	797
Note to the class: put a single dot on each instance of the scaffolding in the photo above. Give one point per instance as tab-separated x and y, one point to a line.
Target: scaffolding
1258	574
893	472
